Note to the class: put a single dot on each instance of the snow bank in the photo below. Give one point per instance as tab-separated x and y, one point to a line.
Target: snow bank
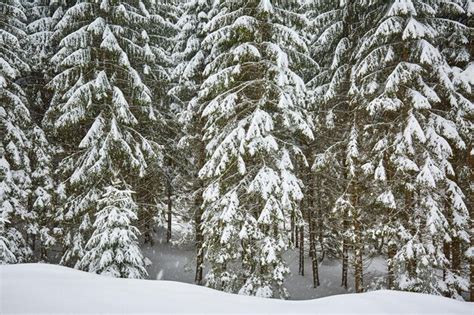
41	288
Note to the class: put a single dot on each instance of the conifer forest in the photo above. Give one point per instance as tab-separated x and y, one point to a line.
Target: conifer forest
247	131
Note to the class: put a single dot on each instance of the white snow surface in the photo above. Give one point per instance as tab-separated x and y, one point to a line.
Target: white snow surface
43	288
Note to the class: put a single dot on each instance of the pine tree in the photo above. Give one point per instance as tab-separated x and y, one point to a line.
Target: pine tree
43	198
254	113
42	16
457	102
190	58
15	122
158	185
399	75
6	255
113	247
334	35
100	108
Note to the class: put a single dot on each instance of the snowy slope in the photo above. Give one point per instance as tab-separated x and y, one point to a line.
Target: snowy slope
41	288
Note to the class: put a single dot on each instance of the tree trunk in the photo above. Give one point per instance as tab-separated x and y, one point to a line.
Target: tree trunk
148	237
471	263
198	222
411	263
199	243
470	164
456	255
169	189
345	252
297	238
358	253
319	226
292	233
391	273
301	260
313	254
312	233
358	245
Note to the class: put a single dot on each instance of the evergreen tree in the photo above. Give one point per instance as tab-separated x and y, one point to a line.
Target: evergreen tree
43	198
334	35
399	75
42	17
15	122
457	102
6	255
157	186
113	247
99	106
254	112
190	58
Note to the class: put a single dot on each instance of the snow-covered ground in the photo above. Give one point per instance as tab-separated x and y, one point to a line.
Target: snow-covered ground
178	264
42	288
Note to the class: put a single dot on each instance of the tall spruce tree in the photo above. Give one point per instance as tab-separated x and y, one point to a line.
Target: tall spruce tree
190	59
15	122
99	106
457	102
155	190
43	199
254	112
400	75
42	18
334	34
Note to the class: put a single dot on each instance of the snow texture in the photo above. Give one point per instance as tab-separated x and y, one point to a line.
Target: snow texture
41	288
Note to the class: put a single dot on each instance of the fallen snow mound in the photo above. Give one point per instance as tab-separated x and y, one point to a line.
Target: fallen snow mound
42	288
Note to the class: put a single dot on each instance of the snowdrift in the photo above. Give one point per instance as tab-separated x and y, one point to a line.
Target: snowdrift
42	288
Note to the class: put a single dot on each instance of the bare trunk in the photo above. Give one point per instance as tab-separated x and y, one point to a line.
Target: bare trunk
410	263
345	252
292	236
148	237
312	233
199	243
471	265
198	223
313	255
456	255
170	210
297	239
301	260
358	245
470	163
358	252
391	273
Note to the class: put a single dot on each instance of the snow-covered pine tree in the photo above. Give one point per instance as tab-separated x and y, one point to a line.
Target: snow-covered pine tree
254	113
113	248
189	57
43	199
156	193
100	107
458	103
15	122
398	68
42	17
325	31
334	34
6	255
463	71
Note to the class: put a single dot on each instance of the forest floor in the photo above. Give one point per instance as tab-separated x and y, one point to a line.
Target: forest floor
177	263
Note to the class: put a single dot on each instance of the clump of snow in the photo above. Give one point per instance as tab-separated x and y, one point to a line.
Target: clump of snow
42	288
